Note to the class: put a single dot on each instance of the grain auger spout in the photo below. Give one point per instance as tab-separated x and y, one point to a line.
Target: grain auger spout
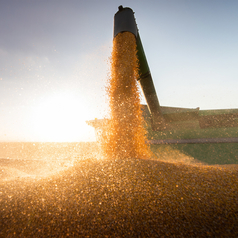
124	21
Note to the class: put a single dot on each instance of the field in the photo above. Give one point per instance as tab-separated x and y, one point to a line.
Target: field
216	153
94	197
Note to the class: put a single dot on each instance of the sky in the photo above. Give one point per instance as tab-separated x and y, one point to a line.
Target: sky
54	61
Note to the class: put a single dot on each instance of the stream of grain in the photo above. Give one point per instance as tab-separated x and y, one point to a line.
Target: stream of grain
126	135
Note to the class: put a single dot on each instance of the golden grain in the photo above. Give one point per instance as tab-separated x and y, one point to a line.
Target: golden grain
125	137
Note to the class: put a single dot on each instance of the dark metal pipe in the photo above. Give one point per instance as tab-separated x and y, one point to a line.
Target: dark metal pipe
124	21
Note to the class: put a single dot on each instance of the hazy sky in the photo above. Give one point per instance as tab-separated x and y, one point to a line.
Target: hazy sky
54	60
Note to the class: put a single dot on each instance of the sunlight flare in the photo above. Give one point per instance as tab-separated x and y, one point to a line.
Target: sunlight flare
60	118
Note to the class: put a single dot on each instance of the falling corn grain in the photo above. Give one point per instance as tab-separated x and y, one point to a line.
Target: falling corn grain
125	135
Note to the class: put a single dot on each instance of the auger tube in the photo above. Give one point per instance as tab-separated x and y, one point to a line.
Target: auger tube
124	21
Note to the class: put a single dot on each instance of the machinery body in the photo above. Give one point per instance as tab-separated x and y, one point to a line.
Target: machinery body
181	125
124	21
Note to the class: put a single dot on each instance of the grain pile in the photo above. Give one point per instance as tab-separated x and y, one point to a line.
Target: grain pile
125	136
123	198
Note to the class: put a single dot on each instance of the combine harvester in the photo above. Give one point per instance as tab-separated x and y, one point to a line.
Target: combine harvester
171	125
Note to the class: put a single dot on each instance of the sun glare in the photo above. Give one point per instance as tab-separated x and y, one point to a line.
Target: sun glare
61	118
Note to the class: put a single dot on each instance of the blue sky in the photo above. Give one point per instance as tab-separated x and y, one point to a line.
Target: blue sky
54	61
